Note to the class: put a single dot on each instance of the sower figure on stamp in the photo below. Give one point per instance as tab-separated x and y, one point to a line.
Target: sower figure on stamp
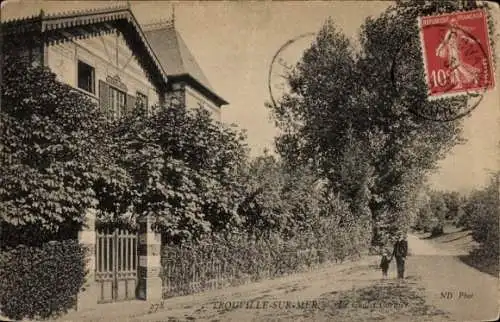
400	252
449	49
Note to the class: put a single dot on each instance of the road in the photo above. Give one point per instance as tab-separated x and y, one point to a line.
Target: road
468	293
449	289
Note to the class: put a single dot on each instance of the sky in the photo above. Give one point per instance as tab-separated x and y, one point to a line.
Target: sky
234	43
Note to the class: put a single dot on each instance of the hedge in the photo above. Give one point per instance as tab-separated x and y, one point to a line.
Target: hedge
41	282
232	260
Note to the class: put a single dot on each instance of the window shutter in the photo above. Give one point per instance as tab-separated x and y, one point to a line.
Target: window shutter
141	102
104	97
130	104
146	104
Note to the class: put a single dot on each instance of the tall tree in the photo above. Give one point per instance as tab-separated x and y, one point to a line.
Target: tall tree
356	109
51	144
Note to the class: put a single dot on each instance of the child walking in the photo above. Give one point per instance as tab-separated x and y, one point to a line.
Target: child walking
384	263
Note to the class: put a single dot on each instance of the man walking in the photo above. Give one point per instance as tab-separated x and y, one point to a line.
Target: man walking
400	252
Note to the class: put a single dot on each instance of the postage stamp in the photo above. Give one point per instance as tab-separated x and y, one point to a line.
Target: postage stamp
457	53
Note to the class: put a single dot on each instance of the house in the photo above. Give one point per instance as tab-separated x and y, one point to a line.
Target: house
108	56
189	84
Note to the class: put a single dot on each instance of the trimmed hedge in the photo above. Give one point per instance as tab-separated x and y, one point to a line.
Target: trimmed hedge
41	282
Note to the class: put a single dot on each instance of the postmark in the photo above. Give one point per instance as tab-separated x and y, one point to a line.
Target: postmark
282	63
456	53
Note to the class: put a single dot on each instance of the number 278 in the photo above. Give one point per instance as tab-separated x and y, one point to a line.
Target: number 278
155	307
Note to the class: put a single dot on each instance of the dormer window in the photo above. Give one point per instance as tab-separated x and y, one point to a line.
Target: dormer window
86	79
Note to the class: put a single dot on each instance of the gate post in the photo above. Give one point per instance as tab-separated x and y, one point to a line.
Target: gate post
150	282
87	236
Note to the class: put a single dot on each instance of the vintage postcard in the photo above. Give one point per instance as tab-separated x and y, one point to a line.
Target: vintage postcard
249	161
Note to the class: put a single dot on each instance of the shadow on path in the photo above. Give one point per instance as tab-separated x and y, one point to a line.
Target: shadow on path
473	260
459	243
390	299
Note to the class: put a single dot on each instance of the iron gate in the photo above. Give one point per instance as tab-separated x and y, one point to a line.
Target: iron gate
116	264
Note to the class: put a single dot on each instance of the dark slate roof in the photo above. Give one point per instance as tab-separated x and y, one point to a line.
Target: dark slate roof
177	59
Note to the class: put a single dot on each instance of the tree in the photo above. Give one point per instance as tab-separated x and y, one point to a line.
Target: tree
482	212
184	169
453	203
439	212
424	218
262	210
343	100
51	154
482	216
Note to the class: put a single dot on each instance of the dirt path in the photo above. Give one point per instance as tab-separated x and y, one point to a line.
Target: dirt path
466	293
219	305
332	293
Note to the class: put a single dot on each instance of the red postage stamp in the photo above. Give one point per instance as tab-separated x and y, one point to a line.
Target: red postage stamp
457	53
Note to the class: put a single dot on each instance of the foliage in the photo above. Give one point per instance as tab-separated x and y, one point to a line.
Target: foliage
184	168
439	210
238	257
50	138
425	220
113	185
477	211
440	207
328	116
454	203
263	208
483	214
40	282
278	199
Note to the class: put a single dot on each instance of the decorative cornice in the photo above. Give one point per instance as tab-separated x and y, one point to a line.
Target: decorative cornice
116	81
68	19
90	11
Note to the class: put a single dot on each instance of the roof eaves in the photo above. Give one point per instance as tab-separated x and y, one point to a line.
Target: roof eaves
60	20
89	11
199	86
148	45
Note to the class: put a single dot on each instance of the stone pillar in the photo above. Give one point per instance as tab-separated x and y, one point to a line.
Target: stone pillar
150	282
87	236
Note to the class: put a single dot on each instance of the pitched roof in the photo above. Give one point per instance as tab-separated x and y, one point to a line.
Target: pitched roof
61	20
160	44
177	59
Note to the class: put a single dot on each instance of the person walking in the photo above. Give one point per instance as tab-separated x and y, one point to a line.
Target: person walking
400	252
384	262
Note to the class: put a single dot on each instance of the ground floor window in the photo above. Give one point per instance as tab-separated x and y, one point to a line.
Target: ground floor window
117	102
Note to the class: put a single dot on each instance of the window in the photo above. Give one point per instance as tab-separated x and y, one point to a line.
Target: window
142	102
117	103
86	77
